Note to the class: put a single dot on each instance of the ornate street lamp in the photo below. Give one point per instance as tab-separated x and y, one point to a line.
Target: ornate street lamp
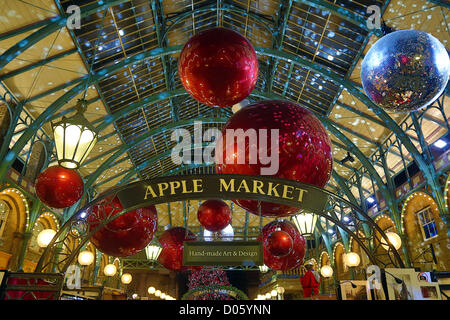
152	251
74	138
305	223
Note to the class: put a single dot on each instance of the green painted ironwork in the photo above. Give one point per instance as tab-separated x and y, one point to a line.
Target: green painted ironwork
427	171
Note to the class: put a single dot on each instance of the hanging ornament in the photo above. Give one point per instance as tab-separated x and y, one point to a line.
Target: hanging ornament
171	256
303	147
278	243
405	71
295	256
218	67
214	215
59	187
125	235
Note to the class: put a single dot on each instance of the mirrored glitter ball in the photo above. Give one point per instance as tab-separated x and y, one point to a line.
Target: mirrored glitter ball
405	71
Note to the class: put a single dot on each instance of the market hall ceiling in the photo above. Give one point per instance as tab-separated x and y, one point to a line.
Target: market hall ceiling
146	100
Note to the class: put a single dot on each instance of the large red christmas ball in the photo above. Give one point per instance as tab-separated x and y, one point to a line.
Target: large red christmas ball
278	243
125	235
214	215
59	187
171	256
218	67
295	257
303	148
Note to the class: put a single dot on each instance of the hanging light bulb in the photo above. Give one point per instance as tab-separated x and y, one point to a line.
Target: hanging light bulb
85	258
151	290
326	271
74	138
352	259
45	237
394	239
110	270
126	278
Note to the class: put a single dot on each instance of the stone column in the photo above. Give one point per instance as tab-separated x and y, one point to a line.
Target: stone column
23	250
16	246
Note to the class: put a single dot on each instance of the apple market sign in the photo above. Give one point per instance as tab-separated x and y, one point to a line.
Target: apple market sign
225	187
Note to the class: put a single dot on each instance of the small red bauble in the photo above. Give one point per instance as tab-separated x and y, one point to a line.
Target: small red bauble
171	256
304	149
278	243
214	215
295	257
218	67
59	187
125	235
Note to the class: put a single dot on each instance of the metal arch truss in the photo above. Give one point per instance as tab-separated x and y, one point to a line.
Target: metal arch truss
46	115
74	234
138	264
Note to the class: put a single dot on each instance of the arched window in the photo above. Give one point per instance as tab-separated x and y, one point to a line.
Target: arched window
4	211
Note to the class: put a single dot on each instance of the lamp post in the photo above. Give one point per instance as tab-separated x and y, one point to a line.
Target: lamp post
274	293
74	138
110	270
327	272
281	290
85	258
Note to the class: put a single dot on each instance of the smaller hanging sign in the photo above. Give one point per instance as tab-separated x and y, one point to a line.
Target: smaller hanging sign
221	253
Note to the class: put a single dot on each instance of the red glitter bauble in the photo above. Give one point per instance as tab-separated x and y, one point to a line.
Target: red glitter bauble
59	187
279	243
304	149
295	257
125	235
171	256
218	67
214	215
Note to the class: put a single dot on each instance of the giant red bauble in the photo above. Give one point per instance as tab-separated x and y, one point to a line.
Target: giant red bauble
126	235
172	242
59	187
278	243
214	215
295	256
218	67
304	149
